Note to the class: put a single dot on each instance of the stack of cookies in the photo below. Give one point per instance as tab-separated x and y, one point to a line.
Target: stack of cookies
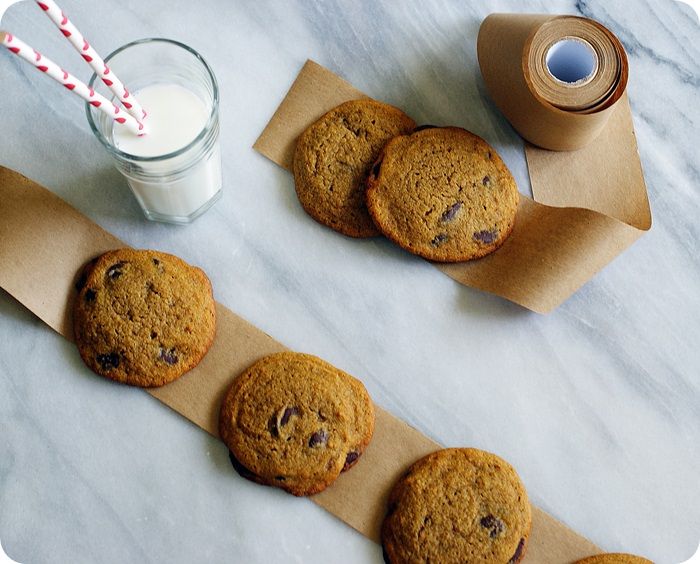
442	193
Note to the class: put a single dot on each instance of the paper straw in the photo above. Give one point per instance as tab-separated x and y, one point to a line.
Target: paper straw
87	52
47	66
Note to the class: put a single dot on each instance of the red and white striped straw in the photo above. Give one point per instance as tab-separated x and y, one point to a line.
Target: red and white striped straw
87	52
47	66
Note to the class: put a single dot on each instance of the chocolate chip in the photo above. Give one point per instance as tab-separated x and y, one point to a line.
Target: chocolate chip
156	262
486	180
280	478
518	552
272	426
168	355
108	361
422	127
439	240
485	236
494	524
489	155
319	438
350	459
450	213
238	467
90	295
288	414
115	271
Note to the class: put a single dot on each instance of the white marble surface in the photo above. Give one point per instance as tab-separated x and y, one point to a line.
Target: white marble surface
596	404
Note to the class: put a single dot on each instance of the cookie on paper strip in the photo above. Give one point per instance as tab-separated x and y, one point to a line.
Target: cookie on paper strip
333	157
143	317
442	193
457	505
614	558
295	422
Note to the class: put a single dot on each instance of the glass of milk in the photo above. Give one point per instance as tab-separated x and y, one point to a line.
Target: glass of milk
175	170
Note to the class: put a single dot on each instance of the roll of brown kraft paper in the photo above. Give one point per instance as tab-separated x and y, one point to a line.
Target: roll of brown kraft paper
556	78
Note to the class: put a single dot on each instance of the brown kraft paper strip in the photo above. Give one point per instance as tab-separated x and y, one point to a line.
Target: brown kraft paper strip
596	200
43	244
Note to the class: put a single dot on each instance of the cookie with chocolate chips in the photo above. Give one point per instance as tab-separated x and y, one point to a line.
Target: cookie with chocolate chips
296	422
442	193
457	505
143	318
334	155
614	558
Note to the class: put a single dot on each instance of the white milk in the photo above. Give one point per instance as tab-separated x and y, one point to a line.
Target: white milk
176	117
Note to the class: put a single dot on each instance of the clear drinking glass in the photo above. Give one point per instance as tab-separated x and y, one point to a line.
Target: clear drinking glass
181	185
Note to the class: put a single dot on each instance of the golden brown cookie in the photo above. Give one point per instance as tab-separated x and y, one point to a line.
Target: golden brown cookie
333	156
143	318
296	422
442	193
457	505
614	558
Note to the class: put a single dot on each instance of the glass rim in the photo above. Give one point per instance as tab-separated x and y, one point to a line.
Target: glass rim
200	136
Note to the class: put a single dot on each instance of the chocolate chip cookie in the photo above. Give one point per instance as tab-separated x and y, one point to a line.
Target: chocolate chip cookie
442	193
457	505
143	318
616	558
296	422
333	156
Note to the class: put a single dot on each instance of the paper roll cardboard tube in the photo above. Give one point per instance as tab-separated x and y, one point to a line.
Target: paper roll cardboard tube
572	60
549	112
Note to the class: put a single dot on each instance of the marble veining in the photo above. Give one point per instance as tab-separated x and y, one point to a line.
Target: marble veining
596	404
